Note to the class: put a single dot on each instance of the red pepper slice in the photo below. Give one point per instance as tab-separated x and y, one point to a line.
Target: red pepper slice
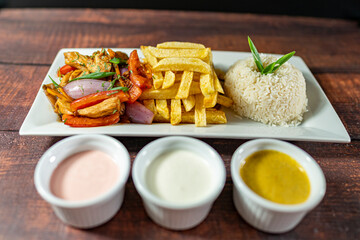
138	74
95	98
134	93
73	121
65	69
140	81
134	62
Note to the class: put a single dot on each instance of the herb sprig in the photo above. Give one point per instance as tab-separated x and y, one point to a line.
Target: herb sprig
124	89
271	67
95	75
118	61
55	83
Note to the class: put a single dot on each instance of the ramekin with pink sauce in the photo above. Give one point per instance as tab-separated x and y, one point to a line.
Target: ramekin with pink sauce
83	210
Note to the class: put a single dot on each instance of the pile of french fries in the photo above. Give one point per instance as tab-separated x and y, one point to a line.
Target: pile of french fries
185	87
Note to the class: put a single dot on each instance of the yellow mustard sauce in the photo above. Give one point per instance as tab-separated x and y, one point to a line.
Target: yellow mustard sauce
276	176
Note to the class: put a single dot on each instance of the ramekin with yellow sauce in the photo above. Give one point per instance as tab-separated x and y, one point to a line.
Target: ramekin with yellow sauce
275	184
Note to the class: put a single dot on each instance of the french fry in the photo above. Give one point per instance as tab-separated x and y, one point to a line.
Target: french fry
178	76
169	79
210	100
220	73
179	53
207	84
175	44
182	64
184	88
200	111
184	73
189	103
162	108
150	104
168	93
217	83
150	58
158	80
225	101
212	117
160	119
175	112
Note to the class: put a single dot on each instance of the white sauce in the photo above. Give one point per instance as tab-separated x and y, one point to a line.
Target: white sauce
180	176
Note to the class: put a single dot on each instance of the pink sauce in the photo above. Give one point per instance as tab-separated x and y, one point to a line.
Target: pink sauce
84	175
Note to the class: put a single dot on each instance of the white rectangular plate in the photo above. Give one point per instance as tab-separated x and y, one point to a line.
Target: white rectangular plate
321	123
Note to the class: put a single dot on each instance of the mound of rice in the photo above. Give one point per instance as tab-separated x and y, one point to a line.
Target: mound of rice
278	98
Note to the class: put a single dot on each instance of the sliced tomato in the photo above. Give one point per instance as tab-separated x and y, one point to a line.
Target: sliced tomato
73	121
134	93
65	69
95	98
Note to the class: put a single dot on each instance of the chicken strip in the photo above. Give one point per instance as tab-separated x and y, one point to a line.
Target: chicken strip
106	107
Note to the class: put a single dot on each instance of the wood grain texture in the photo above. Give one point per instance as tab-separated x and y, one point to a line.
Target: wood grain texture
29	42
43	32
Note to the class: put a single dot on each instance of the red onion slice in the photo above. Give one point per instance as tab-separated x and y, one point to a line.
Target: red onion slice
84	87
138	113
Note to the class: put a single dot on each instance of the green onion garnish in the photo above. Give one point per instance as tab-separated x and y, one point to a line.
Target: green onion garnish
95	75
118	61
55	84
271	67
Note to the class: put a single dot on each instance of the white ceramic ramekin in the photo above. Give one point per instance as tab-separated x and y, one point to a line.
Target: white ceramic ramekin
266	215
87	213
170	215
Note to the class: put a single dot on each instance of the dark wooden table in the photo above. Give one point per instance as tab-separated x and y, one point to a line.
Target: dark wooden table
29	41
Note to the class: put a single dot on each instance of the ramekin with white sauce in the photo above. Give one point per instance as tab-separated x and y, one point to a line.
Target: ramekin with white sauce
178	178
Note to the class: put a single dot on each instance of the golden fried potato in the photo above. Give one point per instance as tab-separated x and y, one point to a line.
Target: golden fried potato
200	111
176	44
158	80
225	101
169	79
189	103
182	64
179	53
162	108
213	116
210	100
148	56
207	84
185	84
175	115
168	93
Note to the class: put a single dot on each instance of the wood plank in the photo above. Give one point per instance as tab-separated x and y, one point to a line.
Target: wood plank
35	219
326	45
20	84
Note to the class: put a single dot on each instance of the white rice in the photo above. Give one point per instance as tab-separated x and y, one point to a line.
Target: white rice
275	99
